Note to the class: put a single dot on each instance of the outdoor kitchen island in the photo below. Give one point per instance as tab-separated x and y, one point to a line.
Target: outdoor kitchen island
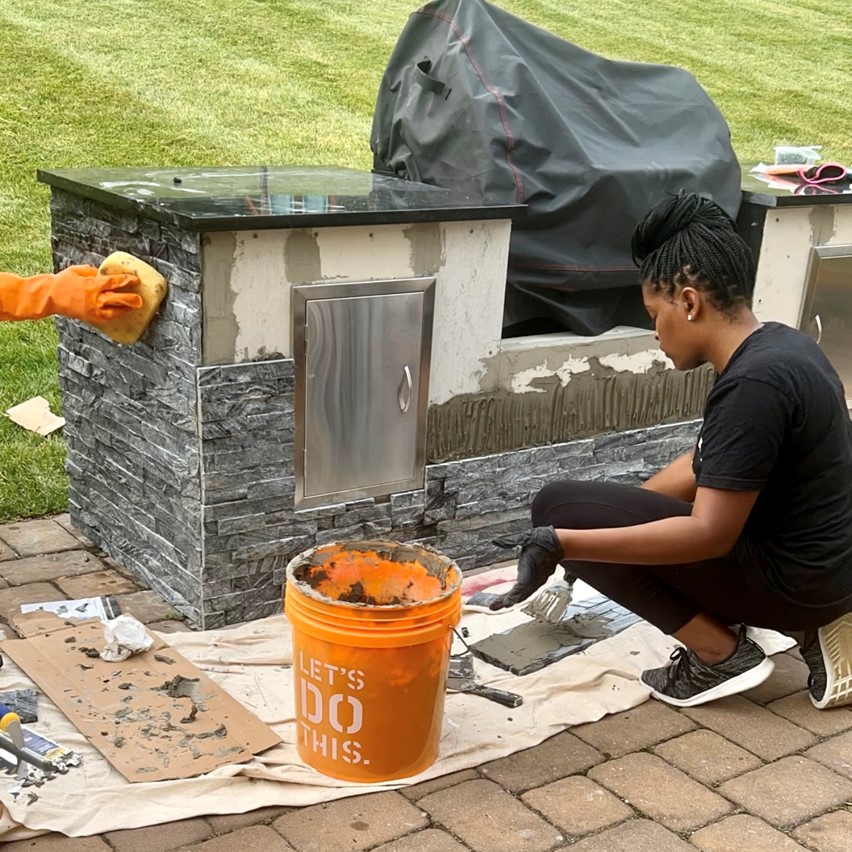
328	365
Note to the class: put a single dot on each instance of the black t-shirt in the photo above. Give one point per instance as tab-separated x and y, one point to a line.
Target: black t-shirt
776	422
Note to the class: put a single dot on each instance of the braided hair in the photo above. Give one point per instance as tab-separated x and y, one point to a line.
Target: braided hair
687	240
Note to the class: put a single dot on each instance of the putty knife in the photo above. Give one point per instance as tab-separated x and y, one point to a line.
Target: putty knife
462	678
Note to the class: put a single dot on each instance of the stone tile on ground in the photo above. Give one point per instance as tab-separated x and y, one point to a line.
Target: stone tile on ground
555	758
789	676
31	538
254	838
352	824
707	757
660	791
430	840
57	843
824	723
50	566
147	606
487	819
743	832
160	838
3	584
6	553
788	792
577	805
755	728
643	726
637	835
827	833
835	753
418	791
223	823
13	597
98	583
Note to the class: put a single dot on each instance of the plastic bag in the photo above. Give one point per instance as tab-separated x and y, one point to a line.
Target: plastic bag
805	155
125	636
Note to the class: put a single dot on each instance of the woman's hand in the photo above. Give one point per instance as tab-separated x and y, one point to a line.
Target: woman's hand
540	554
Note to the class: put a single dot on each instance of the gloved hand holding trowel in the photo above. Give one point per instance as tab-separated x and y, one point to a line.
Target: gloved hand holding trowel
539	556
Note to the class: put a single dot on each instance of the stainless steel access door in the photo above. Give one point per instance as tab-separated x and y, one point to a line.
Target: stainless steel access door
827	310
362	388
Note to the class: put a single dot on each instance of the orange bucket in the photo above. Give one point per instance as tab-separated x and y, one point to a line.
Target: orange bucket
372	628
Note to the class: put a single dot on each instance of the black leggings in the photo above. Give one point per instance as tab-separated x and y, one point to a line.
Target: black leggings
668	596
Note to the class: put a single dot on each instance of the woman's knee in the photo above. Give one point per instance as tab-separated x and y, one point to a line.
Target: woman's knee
553	496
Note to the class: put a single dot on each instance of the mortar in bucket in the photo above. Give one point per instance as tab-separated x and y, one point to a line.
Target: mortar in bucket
372	629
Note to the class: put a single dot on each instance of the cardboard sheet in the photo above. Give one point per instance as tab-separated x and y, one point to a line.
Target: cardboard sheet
35	415
154	716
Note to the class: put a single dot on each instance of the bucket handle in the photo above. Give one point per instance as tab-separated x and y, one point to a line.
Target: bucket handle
461	639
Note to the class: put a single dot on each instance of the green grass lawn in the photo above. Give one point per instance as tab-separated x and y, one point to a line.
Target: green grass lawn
232	82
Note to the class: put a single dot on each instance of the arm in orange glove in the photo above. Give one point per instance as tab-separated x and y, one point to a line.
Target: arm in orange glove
80	292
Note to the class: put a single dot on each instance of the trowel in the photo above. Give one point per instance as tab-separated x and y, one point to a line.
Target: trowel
462	678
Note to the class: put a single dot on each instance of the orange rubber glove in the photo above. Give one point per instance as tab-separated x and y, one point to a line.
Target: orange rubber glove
79	292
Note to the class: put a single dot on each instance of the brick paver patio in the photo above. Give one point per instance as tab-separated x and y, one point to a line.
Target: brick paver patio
764	771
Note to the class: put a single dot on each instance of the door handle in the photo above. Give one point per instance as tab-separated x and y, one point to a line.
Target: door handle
405	387
818	322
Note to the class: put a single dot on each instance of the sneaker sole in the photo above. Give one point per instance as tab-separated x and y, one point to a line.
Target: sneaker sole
747	680
835	641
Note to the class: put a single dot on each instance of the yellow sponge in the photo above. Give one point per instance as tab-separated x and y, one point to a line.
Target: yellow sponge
152	287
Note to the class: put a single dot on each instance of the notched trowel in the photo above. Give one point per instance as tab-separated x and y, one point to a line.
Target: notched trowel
462	678
551	605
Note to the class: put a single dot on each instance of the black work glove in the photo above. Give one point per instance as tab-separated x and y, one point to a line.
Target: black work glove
540	554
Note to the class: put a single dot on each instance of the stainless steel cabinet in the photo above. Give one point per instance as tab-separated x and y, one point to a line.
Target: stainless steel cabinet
362	354
827	314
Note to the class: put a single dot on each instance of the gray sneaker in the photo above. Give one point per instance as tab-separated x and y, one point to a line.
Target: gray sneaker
687	681
828	653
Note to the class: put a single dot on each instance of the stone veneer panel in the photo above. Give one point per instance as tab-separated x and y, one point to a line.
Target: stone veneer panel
133	454
250	528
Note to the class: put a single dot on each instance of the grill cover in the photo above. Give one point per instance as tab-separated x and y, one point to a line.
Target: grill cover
487	105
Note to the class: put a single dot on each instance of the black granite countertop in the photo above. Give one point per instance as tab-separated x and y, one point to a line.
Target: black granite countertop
787	191
228	199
